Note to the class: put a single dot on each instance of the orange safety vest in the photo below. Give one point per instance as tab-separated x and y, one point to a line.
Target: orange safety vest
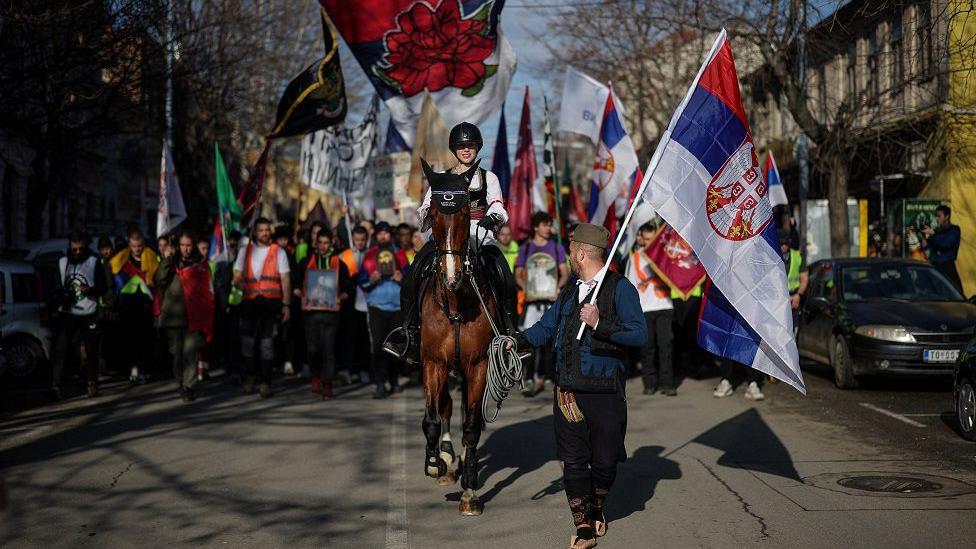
268	285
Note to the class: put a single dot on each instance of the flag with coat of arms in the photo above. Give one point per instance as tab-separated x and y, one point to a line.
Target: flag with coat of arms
705	180
615	168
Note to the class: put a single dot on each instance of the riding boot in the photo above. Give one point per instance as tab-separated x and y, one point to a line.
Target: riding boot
404	342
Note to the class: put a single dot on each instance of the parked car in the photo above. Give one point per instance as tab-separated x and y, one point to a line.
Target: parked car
23	320
964	391
883	316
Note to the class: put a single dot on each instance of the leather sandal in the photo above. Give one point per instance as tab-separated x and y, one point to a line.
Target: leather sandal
599	528
576	543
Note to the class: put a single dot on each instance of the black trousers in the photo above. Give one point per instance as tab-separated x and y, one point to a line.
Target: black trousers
948	268
384	367
136	330
321	329
355	348
736	373
590	450
69	328
656	364
687	353
260	322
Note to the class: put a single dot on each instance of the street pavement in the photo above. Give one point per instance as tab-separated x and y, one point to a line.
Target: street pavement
878	467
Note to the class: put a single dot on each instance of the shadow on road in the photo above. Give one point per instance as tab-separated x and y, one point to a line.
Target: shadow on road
749	443
524	447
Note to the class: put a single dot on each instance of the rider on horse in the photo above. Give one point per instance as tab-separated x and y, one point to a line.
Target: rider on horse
487	215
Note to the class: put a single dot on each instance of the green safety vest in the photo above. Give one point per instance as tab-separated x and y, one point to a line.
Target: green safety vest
697	292
793	271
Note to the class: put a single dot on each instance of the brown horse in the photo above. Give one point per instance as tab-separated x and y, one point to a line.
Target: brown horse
454	333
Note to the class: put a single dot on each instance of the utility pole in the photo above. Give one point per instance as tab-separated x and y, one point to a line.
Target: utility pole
170	52
802	148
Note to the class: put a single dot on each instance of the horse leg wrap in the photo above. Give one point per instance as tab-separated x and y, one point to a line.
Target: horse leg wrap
447	452
435	466
469	468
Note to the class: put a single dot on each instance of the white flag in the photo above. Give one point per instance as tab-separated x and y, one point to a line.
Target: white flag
582	104
171	210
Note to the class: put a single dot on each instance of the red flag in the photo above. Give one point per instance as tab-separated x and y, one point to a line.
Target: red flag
576	206
523	176
674	261
198	291
251	193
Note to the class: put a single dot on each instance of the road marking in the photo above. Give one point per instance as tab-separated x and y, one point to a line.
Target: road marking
889	413
396	512
922	415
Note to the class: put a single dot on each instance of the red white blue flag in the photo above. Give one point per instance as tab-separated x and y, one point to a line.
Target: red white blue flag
705	181
615	168
452	48
777	194
217	242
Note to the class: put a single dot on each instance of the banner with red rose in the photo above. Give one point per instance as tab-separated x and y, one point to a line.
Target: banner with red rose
452	48
674	261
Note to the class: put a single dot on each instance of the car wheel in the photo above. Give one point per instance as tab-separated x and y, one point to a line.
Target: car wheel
840	360
966	409
22	356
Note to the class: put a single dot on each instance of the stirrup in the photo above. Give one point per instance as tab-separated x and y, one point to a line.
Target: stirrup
401	350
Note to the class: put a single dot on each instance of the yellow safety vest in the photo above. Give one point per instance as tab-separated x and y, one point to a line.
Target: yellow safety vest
793	271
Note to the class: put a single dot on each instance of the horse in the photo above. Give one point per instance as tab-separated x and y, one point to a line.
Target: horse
455	332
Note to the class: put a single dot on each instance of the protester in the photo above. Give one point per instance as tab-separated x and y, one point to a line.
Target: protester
82	282
590	406
302	249
163	245
509	247
183	281
354	328
797	274
263	273
404	240
108	315
322	326
133	269
226	349
380	279
203	246
289	340
942	245
540	272
732	374
655	299
487	213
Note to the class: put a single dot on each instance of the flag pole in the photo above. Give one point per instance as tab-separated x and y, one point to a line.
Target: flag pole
345	215
651	168
555	175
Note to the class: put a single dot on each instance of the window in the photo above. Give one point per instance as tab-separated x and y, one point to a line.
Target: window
897	51
873	82
924	29
852	70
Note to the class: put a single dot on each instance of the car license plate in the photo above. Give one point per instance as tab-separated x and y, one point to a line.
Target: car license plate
940	355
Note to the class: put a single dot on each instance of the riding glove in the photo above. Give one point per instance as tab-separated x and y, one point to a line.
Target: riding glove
489	222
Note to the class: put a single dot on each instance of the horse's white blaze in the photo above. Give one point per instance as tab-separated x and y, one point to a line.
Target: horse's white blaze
450	260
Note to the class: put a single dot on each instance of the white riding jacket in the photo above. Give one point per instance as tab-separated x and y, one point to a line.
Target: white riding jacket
493	198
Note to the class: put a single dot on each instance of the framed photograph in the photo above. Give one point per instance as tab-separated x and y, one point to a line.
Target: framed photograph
321	290
541	278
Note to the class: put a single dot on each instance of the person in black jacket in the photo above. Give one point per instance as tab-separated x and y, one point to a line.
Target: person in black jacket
590	404
322	326
81	283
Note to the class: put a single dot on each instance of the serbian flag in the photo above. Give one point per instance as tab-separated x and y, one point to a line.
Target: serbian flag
454	49
674	261
615	168
217	243
704	179
199	297
777	194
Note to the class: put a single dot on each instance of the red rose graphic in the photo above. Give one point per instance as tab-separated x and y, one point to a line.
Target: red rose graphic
434	48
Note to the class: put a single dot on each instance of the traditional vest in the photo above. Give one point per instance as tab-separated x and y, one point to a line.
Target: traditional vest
268	284
73	275
590	364
478	196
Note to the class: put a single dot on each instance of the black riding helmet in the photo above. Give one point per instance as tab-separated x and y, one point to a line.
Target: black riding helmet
465	132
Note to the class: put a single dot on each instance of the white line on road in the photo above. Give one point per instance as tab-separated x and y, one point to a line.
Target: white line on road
889	413
922	415
396	512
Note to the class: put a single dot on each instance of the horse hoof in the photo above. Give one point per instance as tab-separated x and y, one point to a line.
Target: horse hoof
471	507
447	479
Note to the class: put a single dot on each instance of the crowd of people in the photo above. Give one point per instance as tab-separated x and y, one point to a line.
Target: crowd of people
140	309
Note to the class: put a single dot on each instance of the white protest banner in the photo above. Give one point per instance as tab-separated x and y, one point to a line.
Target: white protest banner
582	103
334	160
